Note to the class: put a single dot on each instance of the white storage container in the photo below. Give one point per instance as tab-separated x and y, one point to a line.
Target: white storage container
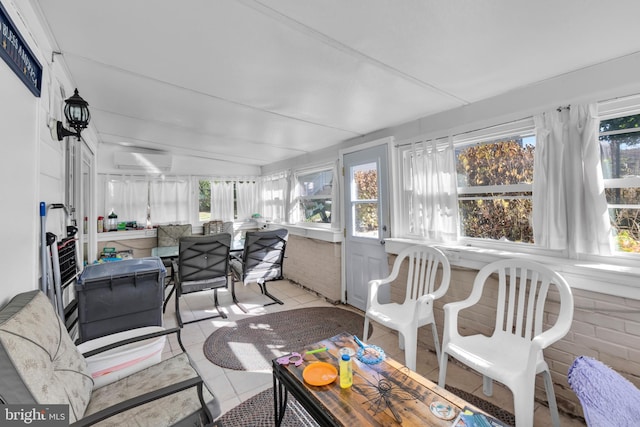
120	362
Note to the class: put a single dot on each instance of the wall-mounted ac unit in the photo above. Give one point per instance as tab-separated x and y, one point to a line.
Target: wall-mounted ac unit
143	161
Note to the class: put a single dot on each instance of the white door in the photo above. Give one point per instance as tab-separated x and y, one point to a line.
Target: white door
366	209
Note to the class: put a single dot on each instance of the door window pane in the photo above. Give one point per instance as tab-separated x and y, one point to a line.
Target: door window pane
365	178
365	217
364	200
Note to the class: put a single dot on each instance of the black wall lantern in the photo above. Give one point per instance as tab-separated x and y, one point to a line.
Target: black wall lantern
76	111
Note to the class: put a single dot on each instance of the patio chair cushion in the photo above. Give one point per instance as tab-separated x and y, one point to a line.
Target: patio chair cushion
39	364
38	359
168	410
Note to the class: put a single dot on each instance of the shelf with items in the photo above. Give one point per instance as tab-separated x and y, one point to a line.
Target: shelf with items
126	235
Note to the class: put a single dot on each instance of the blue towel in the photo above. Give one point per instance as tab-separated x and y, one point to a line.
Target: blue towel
607	398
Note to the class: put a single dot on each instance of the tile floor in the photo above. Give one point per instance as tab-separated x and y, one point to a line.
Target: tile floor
233	387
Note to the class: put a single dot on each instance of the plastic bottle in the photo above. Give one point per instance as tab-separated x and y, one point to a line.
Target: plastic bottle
112	223
346	371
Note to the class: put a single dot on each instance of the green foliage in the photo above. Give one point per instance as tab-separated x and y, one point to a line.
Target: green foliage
623	162
626	223
627	243
499	163
366	183
204	201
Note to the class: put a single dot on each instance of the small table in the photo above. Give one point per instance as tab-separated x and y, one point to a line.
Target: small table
410	395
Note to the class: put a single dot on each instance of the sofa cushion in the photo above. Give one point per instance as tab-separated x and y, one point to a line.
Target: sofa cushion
162	412
39	363
169	235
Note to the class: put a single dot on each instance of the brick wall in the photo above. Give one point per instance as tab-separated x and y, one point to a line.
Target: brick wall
604	327
315	265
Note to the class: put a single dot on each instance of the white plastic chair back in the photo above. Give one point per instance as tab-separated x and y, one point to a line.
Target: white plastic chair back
513	354
428	276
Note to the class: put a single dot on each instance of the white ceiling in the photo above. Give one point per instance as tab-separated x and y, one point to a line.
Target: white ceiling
257	81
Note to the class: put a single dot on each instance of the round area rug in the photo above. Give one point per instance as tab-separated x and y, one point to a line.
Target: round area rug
254	342
257	411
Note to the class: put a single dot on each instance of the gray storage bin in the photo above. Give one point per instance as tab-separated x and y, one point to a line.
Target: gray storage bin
118	296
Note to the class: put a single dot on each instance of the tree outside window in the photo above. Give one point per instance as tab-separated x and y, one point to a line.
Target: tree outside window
204	200
620	158
494	195
366	212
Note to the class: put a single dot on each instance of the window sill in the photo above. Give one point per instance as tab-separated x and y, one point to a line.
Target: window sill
610	279
331	235
126	235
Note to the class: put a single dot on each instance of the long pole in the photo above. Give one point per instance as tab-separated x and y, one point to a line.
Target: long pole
43	248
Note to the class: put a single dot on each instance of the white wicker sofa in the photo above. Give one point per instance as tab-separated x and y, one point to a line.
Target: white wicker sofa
39	364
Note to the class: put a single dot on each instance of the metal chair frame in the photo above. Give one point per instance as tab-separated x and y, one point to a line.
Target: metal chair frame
203	264
261	261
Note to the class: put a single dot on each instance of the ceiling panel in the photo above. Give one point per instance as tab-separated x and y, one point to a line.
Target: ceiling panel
260	81
474	49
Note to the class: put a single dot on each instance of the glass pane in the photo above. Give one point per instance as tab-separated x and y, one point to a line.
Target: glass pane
204	201
620	123
365	220
623	196
365	182
496	163
626	222
318	183
316	210
620	155
498	219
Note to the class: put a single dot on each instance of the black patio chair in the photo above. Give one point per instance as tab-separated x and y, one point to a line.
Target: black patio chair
261	260
169	236
203	264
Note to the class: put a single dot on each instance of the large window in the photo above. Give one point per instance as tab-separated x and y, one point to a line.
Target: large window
227	200
620	158
147	201
314	200
494	189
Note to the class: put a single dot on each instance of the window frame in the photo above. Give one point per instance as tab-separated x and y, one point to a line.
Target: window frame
497	191
213	179
296	207
606	110
613	109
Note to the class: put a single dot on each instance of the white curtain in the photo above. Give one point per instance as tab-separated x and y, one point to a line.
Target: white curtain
294	212
127	196
247	199
222	200
336	197
169	201
275	196
433	189
569	204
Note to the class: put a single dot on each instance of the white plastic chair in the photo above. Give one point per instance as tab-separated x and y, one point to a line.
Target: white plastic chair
513	354
422	290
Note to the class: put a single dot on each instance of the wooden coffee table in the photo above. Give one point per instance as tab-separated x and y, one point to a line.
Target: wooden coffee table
383	394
